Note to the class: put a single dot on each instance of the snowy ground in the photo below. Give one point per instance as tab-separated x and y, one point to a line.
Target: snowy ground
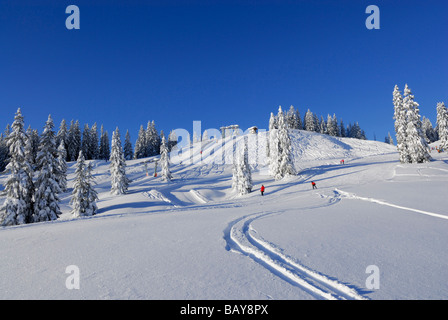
194	239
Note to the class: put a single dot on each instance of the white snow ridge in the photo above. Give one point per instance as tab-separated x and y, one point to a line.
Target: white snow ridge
193	237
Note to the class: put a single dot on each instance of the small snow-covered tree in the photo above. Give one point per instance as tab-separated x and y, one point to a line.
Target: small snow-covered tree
286	164
164	160
140	150
172	141
62	163
127	149
389	139
415	140
94	142
46	197
309	122
86	143
323	127
152	140
74	140
280	158
104	150
242	175
62	135
400	117
442	124
119	180
84	195
19	188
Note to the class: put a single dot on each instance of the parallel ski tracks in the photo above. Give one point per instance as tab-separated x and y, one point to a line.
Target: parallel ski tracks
242	237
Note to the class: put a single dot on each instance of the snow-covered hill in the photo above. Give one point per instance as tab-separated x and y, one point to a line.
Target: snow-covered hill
194	238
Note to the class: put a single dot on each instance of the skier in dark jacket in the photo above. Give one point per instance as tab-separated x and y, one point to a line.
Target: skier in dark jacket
262	189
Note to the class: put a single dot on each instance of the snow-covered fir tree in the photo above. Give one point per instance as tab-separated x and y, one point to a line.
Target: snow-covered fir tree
4	153
342	131
323	127
84	195
417	146
46	197
164	160
242	175
74	140
172	141
140	149
280	157
332	126
442	125
309	123
19	188
62	164
152	140
286	164
62	134
104	149
389	139
86	145
119	180
94	142
428	131
400	118
127	149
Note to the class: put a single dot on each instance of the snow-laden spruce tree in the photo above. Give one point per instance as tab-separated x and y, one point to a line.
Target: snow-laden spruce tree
46	197
119	180
309	122
242	175
415	140
84	195
140	150
274	154
73	140
280	157
164	160
400	117
19	188
94	142
62	163
286	163
127	149
152	140
104	149
442	124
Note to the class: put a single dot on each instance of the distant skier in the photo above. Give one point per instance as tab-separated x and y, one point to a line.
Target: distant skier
262	189
313	184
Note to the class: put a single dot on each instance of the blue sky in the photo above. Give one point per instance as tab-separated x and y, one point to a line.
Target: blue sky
220	62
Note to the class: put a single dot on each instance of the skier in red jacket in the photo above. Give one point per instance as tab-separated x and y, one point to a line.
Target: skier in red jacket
262	189
313	184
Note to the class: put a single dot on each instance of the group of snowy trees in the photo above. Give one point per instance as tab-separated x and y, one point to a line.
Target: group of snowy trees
411	143
148	142
34	184
93	146
314	123
37	167
278	150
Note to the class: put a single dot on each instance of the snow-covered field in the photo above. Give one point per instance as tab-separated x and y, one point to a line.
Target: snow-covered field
194	239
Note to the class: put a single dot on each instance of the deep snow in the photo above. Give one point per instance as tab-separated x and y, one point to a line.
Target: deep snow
194	238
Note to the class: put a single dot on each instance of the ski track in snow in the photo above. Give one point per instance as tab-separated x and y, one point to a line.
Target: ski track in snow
240	237
349	195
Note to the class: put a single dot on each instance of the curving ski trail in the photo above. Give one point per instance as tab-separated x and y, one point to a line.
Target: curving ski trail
240	237
349	195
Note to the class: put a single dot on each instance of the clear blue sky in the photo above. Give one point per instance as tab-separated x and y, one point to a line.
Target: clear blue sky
221	62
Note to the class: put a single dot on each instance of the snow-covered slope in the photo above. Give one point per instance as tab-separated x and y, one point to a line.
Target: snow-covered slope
194	238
